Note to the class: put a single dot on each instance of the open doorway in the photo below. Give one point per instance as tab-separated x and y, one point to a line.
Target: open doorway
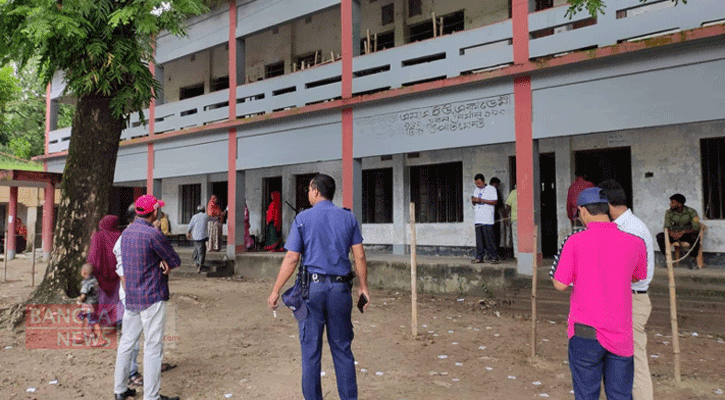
221	190
302	184
269	185
549	223
602	164
119	198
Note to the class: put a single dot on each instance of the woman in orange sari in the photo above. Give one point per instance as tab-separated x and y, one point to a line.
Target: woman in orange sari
214	227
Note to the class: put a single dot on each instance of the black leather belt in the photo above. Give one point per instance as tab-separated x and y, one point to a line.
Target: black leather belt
330	278
639	292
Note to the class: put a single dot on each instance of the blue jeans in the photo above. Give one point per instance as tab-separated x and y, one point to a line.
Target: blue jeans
590	362
329	305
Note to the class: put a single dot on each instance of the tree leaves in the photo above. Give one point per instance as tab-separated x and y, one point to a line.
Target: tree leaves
595	7
102	46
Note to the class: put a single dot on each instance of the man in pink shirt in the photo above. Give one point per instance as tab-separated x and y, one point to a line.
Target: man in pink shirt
580	183
600	262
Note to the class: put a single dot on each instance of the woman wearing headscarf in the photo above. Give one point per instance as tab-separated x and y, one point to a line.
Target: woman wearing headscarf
214	226
274	223
101	257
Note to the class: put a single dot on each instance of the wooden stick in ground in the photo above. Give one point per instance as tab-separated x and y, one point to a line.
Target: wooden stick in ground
673	308
367	50
5	257
435	27
32	272
413	273
375	40
533	291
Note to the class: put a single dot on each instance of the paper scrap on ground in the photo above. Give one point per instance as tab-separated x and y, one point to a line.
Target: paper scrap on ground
488	368
455	380
537	383
379	373
30	390
512	377
694	334
8	347
450	331
228	395
322	373
454	343
424	326
654	356
543	395
53	383
459	364
482	347
442	356
363	370
718	391
476	330
544	340
461	299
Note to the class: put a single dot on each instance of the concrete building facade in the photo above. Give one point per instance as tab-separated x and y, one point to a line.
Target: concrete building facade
406	101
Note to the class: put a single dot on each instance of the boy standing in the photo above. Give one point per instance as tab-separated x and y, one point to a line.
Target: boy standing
89	301
600	262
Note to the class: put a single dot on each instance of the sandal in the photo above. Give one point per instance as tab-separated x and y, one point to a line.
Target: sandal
135	379
166	366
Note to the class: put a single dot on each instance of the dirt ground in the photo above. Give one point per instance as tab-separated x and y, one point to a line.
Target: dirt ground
227	344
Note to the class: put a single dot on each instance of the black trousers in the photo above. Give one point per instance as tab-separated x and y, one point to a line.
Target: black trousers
687	238
485	240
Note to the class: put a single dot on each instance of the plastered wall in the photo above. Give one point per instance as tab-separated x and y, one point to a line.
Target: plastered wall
200	67
320	31
476	14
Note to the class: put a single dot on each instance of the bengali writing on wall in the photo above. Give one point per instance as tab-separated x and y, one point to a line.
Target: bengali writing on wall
438	119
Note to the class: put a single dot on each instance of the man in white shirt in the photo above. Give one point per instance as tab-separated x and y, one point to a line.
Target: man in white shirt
484	201
641	306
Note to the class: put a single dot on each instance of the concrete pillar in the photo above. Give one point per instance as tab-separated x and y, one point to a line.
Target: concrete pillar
48	220
150	168
401	204
159	76
357	177
401	16
241	66
12	219
355	33
237	198
156	190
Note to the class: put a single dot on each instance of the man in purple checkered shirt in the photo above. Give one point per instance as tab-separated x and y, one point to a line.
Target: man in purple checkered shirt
147	259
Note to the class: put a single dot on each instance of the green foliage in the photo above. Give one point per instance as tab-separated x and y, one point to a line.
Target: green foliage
8	86
22	120
595	7
104	47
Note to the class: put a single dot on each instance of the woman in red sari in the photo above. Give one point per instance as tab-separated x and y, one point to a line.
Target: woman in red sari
214	227
100	255
274	223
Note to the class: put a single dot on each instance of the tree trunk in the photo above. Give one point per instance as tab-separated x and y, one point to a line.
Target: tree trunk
85	187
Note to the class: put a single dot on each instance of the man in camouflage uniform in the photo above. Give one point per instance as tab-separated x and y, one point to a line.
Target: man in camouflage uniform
683	224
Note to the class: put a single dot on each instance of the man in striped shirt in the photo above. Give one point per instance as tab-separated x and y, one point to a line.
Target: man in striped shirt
147	259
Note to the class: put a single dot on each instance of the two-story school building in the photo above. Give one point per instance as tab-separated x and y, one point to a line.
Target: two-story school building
406	100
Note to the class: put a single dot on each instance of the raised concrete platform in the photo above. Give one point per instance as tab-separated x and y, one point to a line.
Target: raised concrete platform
435	274
456	275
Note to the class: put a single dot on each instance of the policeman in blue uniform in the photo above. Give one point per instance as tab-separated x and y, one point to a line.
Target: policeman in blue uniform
323	236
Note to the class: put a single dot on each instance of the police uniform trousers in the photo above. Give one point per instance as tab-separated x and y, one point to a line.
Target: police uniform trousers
329	305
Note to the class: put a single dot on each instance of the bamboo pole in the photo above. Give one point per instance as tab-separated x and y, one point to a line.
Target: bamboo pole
368	42
413	273
332	56
440	26
375	40
534	276
673	308
32	273
435	28
5	257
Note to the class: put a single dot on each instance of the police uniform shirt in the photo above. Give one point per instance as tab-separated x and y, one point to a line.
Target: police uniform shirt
324	235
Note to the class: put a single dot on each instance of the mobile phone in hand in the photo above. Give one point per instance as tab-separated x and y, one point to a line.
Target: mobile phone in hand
361	302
